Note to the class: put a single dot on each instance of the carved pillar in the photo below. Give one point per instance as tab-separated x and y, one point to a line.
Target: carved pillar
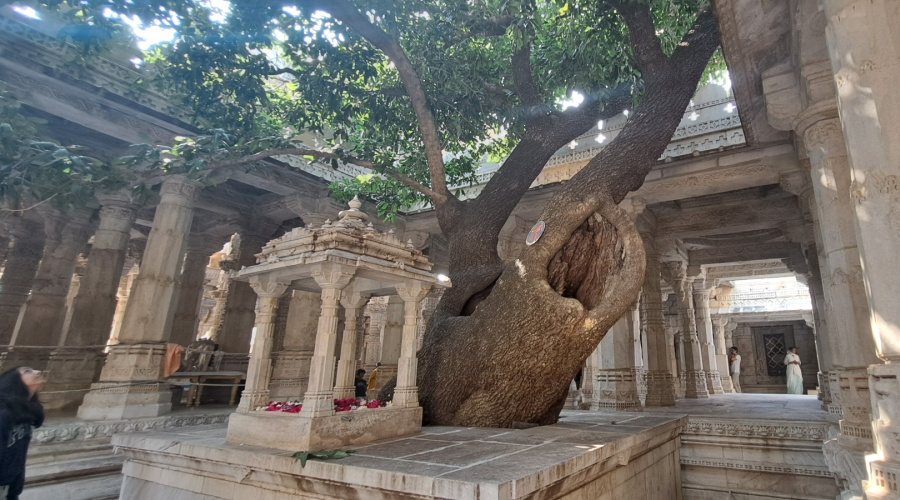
346	370
661	388
722	362
615	382
406	395
694	377
72	367
850	336
139	358
588	379
318	400
239	301
256	388
823	348
705	335
390	329
18	272
95	303
43	313
190	290
124	291
861	38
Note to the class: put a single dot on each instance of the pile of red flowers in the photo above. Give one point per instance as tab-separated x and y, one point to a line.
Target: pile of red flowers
339	405
349	404
285	407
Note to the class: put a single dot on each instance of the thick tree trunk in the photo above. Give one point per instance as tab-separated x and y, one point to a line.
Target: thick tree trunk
513	358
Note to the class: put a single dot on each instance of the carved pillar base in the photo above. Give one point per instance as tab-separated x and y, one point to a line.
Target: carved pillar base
850	438
724	375
695	385
714	383
130	385
69	374
616	389
661	389
884	465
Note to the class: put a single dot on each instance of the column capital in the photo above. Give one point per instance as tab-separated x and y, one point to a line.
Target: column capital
177	188
267	287
817	112
412	292
333	276
353	299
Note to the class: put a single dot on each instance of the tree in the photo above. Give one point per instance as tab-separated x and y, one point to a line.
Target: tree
420	91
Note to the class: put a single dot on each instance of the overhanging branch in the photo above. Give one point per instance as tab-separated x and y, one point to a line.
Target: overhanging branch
349	15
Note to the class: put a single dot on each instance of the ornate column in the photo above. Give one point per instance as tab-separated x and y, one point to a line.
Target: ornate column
18	272
721	346
318	401
694	377
239	300
346	370
823	348
122	294
43	313
851	342
661	388
95	303
190	290
705	335
406	395
72	366
256	388
131	380
861	38
615	383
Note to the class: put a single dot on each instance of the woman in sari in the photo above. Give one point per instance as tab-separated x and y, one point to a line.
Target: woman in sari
794	376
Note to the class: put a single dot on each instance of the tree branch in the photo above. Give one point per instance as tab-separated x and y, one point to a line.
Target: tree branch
645	44
262	155
349	15
285	71
703	34
523	78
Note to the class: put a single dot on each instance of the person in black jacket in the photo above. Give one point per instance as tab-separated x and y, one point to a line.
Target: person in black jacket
360	384
20	411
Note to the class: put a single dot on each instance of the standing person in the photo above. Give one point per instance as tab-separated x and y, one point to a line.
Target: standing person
794	376
20	411
373	379
360	385
734	363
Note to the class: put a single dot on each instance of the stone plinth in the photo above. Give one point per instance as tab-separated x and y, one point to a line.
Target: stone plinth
295	432
585	457
129	385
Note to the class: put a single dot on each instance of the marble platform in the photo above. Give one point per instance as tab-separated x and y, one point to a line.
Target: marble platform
586	455
72	459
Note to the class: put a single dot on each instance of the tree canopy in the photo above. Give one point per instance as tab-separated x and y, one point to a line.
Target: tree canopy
272	73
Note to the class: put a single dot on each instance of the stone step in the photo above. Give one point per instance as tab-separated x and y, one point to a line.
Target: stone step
84	478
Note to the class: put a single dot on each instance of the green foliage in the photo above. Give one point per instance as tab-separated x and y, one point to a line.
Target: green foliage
303	456
276	70
41	169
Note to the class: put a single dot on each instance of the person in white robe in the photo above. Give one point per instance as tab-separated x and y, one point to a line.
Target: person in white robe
734	360
794	376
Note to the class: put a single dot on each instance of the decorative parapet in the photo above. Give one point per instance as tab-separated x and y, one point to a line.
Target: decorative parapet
751	428
118	78
85	430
